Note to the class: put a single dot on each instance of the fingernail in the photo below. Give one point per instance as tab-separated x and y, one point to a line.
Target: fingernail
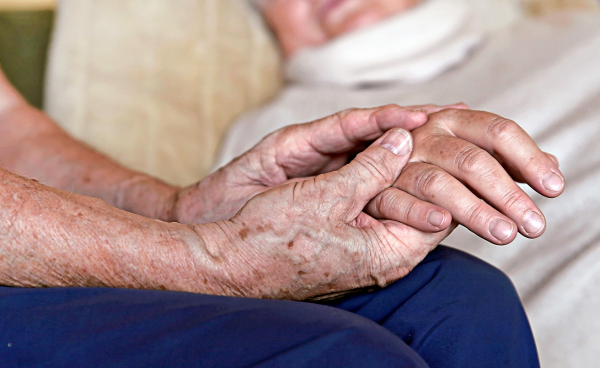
397	141
501	229
435	218
533	223
552	182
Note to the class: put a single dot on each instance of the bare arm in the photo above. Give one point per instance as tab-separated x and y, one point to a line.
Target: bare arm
270	249
340	230
53	238
50	237
32	145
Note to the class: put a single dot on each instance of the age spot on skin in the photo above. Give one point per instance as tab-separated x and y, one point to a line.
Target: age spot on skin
258	275
291	244
301	272
244	233
326	274
263	229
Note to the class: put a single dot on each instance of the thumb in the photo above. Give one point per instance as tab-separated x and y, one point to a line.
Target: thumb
374	169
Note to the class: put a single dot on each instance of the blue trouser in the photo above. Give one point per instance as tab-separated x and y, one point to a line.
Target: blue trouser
453	310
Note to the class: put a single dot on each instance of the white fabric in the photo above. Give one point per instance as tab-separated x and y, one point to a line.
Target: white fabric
545	75
411	47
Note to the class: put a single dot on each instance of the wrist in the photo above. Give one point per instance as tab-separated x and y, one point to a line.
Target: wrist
218	197
192	205
215	253
149	197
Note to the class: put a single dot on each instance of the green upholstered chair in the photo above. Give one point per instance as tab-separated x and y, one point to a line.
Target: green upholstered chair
24	39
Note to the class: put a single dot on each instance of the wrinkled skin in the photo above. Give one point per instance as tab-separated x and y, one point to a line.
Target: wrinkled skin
293	153
311	238
445	157
348	229
304	23
309	227
464	156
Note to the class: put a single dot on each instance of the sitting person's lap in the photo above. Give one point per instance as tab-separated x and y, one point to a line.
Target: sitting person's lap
453	310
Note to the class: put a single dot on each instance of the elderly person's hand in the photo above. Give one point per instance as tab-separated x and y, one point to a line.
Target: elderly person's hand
298	151
312	239
300	240
467	162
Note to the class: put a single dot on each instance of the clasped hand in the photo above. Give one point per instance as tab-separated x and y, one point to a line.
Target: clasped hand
299	222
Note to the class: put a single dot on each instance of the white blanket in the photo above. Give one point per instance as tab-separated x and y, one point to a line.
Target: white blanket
544	74
425	41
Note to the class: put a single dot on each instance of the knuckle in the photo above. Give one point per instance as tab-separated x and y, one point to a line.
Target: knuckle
500	128
386	201
449	113
413	211
377	167
430	181
388	107
472	159
448	117
513	200
423	137
476	214
342	114
350	121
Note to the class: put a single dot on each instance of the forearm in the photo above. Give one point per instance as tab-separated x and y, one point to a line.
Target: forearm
53	238
35	147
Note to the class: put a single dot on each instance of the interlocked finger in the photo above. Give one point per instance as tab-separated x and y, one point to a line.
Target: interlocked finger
434	185
486	178
505	139
394	204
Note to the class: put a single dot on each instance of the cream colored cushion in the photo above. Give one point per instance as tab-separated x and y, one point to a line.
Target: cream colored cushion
156	83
